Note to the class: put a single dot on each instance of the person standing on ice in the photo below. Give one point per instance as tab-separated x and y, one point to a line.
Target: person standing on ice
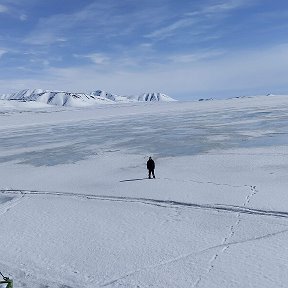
150	167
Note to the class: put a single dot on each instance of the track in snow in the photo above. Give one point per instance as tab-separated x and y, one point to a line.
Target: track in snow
158	202
225	242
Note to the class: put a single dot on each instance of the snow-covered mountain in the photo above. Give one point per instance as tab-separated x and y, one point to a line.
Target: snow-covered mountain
64	98
154	97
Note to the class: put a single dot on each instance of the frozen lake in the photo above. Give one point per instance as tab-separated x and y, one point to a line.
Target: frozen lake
168	134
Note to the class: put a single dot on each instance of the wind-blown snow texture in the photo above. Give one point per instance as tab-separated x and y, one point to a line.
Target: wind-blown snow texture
77	209
62	98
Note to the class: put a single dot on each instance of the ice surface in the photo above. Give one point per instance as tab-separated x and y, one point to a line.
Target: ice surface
77	209
173	134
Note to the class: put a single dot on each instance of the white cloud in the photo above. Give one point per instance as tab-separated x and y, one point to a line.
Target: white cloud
146	45
3	9
97	58
2	52
246	70
45	38
251	71
23	17
14	10
195	57
50	30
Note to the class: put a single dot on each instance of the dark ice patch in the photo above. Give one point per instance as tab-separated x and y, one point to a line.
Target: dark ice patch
5	199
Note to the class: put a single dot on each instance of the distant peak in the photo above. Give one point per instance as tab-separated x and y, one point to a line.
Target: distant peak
155	96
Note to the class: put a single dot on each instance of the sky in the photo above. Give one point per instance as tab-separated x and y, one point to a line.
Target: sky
187	49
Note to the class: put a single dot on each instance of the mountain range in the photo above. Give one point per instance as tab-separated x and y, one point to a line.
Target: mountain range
65	98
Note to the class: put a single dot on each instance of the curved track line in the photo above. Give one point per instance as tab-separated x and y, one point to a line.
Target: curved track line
158	202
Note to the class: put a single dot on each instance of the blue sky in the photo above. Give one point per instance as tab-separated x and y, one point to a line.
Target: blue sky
188	49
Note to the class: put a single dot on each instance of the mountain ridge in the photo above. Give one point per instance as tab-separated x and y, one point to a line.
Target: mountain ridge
65	98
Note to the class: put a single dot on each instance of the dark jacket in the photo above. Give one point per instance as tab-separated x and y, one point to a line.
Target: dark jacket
150	164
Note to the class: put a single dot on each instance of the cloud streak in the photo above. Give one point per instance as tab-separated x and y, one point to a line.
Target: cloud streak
105	20
170	30
200	20
196	57
223	7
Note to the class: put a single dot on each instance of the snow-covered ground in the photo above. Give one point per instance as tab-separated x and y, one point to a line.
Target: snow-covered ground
76	208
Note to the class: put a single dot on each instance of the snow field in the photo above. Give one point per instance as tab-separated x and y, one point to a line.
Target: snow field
77	211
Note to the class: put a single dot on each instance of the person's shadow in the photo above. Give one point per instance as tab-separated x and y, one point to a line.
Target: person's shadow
135	179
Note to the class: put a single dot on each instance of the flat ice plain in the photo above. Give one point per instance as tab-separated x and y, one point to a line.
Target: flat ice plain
76	208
